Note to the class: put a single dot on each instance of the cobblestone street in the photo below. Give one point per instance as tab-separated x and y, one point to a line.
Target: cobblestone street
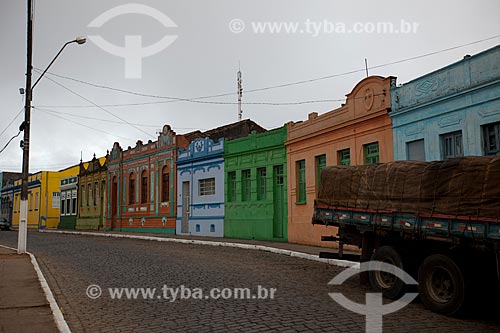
71	263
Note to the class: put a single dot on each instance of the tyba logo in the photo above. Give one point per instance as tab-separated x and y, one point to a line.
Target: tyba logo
132	52
374	309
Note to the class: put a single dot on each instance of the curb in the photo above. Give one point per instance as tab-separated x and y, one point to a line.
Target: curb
290	253
61	323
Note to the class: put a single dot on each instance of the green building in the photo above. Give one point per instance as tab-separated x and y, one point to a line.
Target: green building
68	201
256	202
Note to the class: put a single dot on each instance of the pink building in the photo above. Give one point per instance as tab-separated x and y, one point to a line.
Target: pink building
359	132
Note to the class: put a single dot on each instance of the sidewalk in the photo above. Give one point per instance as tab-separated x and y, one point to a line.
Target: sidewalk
23	305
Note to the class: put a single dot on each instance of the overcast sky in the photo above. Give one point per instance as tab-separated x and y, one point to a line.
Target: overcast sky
212	38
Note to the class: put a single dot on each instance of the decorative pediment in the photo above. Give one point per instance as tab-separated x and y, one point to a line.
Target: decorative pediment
93	166
166	137
116	151
201	147
371	94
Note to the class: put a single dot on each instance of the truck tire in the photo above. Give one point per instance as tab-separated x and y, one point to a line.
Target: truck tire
441	284
390	286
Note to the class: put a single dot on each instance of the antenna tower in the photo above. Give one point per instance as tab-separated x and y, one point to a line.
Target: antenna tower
240	94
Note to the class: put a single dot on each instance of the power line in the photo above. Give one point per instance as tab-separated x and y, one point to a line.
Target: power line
105	120
373	67
198	99
17	115
100	107
174	99
80	124
201	102
208	102
15	136
39	165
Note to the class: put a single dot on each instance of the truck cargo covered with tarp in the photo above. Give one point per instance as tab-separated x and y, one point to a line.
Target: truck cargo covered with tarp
466	186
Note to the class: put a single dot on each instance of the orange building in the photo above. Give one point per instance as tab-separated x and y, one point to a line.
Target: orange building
359	132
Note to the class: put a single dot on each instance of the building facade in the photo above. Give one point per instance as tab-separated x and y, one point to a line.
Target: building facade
451	112
68	202
142	183
256	186
200	180
92	195
44	198
7	180
359	132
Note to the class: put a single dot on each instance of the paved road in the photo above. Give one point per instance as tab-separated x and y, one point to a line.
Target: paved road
71	263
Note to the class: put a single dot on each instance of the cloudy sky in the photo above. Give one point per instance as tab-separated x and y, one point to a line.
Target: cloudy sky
319	42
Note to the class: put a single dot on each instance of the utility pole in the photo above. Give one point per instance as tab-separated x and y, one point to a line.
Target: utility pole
23	221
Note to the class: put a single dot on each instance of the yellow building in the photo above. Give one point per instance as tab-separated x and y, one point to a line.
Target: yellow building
43	198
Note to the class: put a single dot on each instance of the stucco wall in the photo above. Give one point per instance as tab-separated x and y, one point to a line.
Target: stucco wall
362	120
202	160
257	218
151	157
460	97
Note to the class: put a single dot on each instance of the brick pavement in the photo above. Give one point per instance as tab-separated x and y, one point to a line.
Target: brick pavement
280	245
71	263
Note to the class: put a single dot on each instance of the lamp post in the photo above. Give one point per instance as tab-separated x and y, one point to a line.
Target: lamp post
23	214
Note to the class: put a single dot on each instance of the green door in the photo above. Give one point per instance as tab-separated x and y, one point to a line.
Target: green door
279	201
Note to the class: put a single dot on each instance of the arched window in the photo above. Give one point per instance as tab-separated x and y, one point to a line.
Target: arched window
165	185
131	189
144	187
82	201
96	194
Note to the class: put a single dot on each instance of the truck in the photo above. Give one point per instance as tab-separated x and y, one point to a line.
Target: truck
439	221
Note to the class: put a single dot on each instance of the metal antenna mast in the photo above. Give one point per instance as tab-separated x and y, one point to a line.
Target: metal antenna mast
240	93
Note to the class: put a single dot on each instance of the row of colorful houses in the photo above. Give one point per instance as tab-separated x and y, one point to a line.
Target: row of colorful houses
44	198
242	181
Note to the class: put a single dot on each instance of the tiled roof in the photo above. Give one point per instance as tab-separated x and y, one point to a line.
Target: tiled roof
235	130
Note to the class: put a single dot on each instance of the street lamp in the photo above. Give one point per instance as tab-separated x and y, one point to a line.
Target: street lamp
23	214
78	40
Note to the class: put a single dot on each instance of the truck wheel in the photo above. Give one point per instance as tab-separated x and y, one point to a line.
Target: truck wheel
390	286
441	284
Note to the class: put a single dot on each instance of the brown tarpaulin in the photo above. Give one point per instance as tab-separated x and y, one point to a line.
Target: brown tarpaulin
466	186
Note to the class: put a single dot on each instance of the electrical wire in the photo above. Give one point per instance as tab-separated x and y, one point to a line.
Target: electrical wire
39	166
198	99
83	125
220	103
373	67
15	136
201	102
17	115
98	106
108	120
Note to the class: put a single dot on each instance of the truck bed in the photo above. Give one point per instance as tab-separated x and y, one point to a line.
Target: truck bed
417	225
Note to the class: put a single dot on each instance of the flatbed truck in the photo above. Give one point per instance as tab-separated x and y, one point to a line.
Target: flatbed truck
406	213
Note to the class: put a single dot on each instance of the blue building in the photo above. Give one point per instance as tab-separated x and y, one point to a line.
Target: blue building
200	180
451	112
200	183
